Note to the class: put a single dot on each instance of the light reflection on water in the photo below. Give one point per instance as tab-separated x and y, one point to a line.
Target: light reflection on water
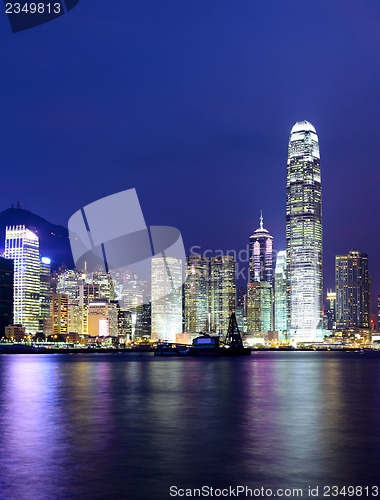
129	426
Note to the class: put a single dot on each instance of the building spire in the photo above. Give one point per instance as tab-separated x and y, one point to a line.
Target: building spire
261	219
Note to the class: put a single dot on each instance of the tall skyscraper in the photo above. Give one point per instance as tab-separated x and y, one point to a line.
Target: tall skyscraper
22	246
352	291
260	285
261	255
222	292
280	296
166	288
304	234
45	290
196	293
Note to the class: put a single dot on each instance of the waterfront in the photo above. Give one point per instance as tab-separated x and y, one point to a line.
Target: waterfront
130	426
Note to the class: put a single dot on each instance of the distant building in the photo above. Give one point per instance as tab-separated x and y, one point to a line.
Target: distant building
241	309
143	320
6	294
280	296
166	293
353	296
259	307
45	290
222	292
68	282
196	289
331	308
59	314
15	333
103	281
22	246
98	319
75	314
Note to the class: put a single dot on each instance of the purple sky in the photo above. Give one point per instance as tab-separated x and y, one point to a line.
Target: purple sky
192	103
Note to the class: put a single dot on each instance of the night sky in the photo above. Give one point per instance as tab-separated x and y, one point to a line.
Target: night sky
192	103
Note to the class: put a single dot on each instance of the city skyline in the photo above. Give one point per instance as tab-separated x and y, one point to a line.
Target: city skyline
203	122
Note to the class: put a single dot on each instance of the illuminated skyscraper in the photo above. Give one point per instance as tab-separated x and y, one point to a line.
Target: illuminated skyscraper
166	288
259	307
280	297
304	234
22	246
45	290
58	312
260	285
352	290
196	293
222	292
261	255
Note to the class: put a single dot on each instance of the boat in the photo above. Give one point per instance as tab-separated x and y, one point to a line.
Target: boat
209	345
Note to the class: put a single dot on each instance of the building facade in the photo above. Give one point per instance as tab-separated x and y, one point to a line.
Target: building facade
353	296
304	234
45	290
259	307
222	292
22	246
280	296
59	315
166	293
196	290
6	294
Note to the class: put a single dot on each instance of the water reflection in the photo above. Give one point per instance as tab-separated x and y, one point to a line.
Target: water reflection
126	426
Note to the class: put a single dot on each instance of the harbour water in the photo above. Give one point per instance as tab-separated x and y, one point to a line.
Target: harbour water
130	426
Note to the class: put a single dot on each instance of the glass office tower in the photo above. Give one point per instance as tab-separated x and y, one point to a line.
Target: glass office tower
166	290
196	289
22	246
304	235
353	295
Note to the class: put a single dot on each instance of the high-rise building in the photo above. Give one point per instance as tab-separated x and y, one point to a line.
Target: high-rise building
98	319
222	292
22	246
6	294
45	290
353	296
241	309
68	283
304	234
166	293
261	255
196	290
331	308
259	307
260	285
280	296
59	316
